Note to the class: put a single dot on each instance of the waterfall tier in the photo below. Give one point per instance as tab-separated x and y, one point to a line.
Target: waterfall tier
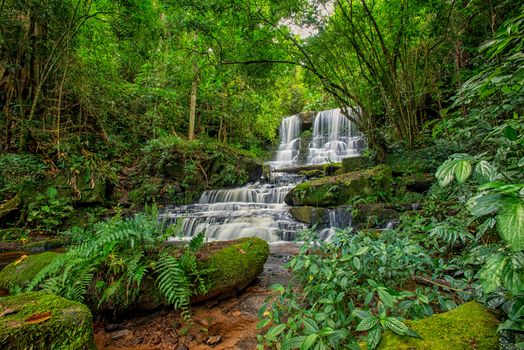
334	138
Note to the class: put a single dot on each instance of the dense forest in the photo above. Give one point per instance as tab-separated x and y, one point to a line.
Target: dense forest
111	112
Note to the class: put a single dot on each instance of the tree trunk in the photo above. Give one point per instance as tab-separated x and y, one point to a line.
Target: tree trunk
194	89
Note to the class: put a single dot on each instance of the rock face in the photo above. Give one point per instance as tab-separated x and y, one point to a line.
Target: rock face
21	272
470	326
236	266
339	189
44	321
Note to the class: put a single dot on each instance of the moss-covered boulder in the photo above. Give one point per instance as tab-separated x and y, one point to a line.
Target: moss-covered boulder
337	190
21	272
44	321
235	266
468	327
310	215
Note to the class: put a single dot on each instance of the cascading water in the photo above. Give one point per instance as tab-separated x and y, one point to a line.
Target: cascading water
334	137
253	210
258	209
289	147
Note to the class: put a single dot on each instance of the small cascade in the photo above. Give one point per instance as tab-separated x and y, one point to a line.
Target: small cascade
334	137
289	147
253	210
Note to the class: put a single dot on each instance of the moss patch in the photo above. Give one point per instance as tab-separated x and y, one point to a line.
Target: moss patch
69	326
470	326
21	273
337	190
235	266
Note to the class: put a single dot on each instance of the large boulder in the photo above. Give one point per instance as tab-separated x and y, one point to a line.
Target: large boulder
234	266
469	326
337	190
43	321
20	272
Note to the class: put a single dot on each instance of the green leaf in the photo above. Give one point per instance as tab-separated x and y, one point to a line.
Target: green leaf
273	332
510	224
485	171
373	338
309	342
484	204
356	263
510	133
396	326
367	323
445	172
462	170
310	326
385	297
293	343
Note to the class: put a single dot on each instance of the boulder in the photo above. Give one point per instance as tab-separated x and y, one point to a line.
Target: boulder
20	272
44	321
310	215
469	326
234	267
337	190
419	183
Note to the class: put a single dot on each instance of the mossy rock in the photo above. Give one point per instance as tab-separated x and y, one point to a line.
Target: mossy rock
337	190
310	215
43	321
311	174
20	273
469	326
235	266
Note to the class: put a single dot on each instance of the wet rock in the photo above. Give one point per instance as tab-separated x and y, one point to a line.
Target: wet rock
181	347
21	272
120	334
214	340
337	190
112	327
44	321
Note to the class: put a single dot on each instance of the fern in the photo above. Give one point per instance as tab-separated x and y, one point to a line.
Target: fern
197	242
173	282
451	234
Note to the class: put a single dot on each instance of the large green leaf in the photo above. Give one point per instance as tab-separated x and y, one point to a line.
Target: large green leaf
445	172
367	323
484	203
396	326
485	171
510	223
373	338
462	170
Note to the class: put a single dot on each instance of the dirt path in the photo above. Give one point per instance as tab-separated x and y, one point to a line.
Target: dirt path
220	325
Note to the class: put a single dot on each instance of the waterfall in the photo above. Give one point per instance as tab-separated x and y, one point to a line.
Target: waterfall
289	147
334	137
254	210
258	209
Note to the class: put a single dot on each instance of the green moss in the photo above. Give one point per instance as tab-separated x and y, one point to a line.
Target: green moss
22	273
236	265
69	327
337	190
470	326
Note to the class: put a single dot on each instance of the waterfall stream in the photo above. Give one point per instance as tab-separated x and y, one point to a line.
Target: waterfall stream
258	209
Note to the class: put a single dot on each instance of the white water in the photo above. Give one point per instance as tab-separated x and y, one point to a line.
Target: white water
334	138
289	147
253	210
258	209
